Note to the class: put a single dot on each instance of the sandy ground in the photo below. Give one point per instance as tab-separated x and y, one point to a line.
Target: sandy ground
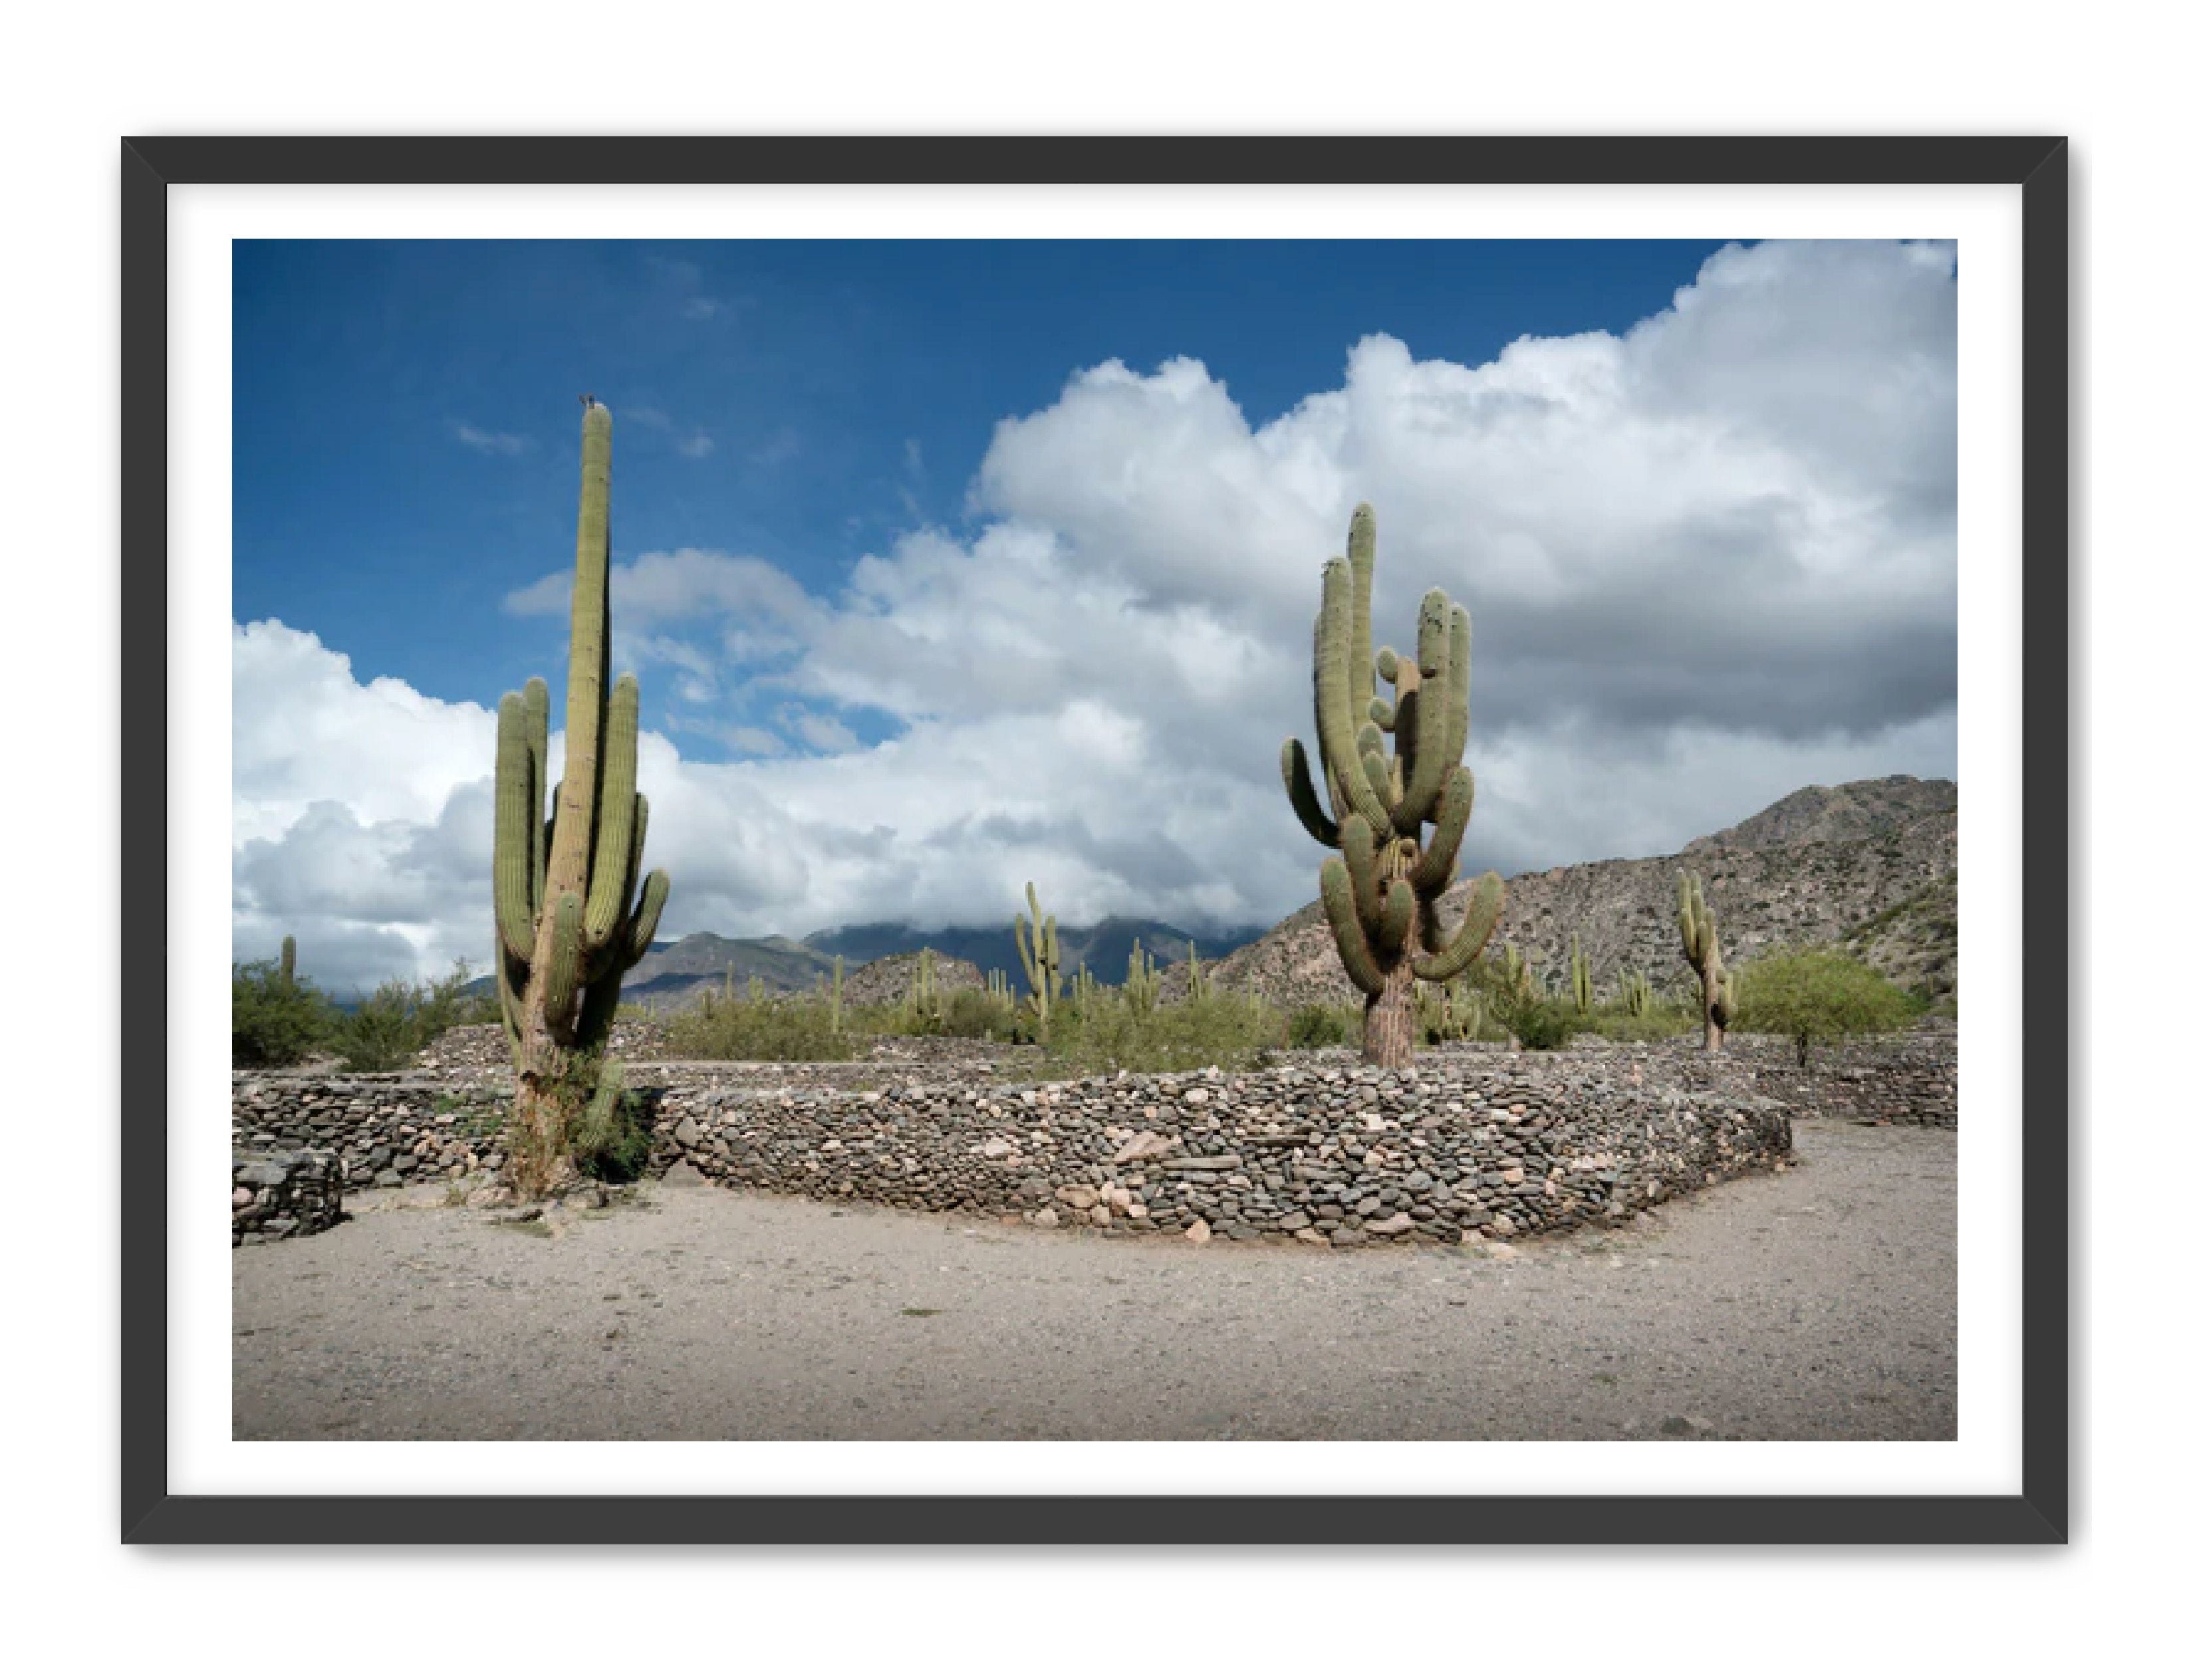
1815	1305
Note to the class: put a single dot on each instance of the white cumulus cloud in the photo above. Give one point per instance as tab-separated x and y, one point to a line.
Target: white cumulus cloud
1709	560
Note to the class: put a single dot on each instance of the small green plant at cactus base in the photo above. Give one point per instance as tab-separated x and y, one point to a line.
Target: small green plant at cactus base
1399	807
570	911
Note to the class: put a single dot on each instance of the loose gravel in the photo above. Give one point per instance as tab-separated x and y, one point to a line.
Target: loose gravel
1816	1304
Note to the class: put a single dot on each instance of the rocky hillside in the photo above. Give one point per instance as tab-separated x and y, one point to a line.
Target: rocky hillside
1853	811
1869	864
886	979
669	975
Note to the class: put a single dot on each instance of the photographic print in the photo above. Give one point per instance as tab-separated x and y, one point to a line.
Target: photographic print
871	833
1094	840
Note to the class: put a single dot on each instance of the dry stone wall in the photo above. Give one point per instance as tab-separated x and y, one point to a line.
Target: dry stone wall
1471	1145
1323	1151
284	1194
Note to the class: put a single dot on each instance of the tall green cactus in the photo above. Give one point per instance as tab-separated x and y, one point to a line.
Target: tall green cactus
1698	944
571	914
1380	894
1040	957
1579	977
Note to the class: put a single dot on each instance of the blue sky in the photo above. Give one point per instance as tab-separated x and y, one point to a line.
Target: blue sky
945	567
813	398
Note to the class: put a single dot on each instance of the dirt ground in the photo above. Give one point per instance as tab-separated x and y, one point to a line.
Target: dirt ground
1814	1304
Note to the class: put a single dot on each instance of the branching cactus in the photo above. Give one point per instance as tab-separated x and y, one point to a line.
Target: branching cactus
1580	980
1393	767
1698	944
570	912
1044	965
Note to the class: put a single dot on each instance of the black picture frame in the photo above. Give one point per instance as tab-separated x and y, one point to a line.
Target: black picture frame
2038	166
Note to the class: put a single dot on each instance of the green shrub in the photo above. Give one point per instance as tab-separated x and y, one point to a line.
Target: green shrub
386	1031
802	1027
1315	1026
1653	1024
970	1012
1817	995
1542	1023
274	1020
1102	1029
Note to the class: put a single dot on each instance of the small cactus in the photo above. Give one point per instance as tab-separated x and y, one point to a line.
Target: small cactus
1698	944
1635	994
289	959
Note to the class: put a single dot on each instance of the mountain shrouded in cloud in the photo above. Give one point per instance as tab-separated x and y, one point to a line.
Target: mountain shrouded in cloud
1709	560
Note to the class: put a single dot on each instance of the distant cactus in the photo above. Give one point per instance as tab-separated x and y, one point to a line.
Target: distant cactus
289	960
1577	977
1450	1013
570	912
836	998
1699	943
1044	965
1635	994
1380	894
1142	987
1196	978
922	1005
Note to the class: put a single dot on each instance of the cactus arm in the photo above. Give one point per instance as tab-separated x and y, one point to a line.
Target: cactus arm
598	1012
617	814
606	1095
515	799
1337	905
648	917
1361	565
1379	772
1359	846
1459	680
637	843
1026	953
563	960
1425	754
509	989
535	746
1474	931
1292	765
569	863
1432	872
1334	712
1398	919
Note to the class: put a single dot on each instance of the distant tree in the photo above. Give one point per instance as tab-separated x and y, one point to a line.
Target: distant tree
1819	996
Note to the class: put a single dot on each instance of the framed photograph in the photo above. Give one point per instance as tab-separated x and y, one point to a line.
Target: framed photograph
1229	841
